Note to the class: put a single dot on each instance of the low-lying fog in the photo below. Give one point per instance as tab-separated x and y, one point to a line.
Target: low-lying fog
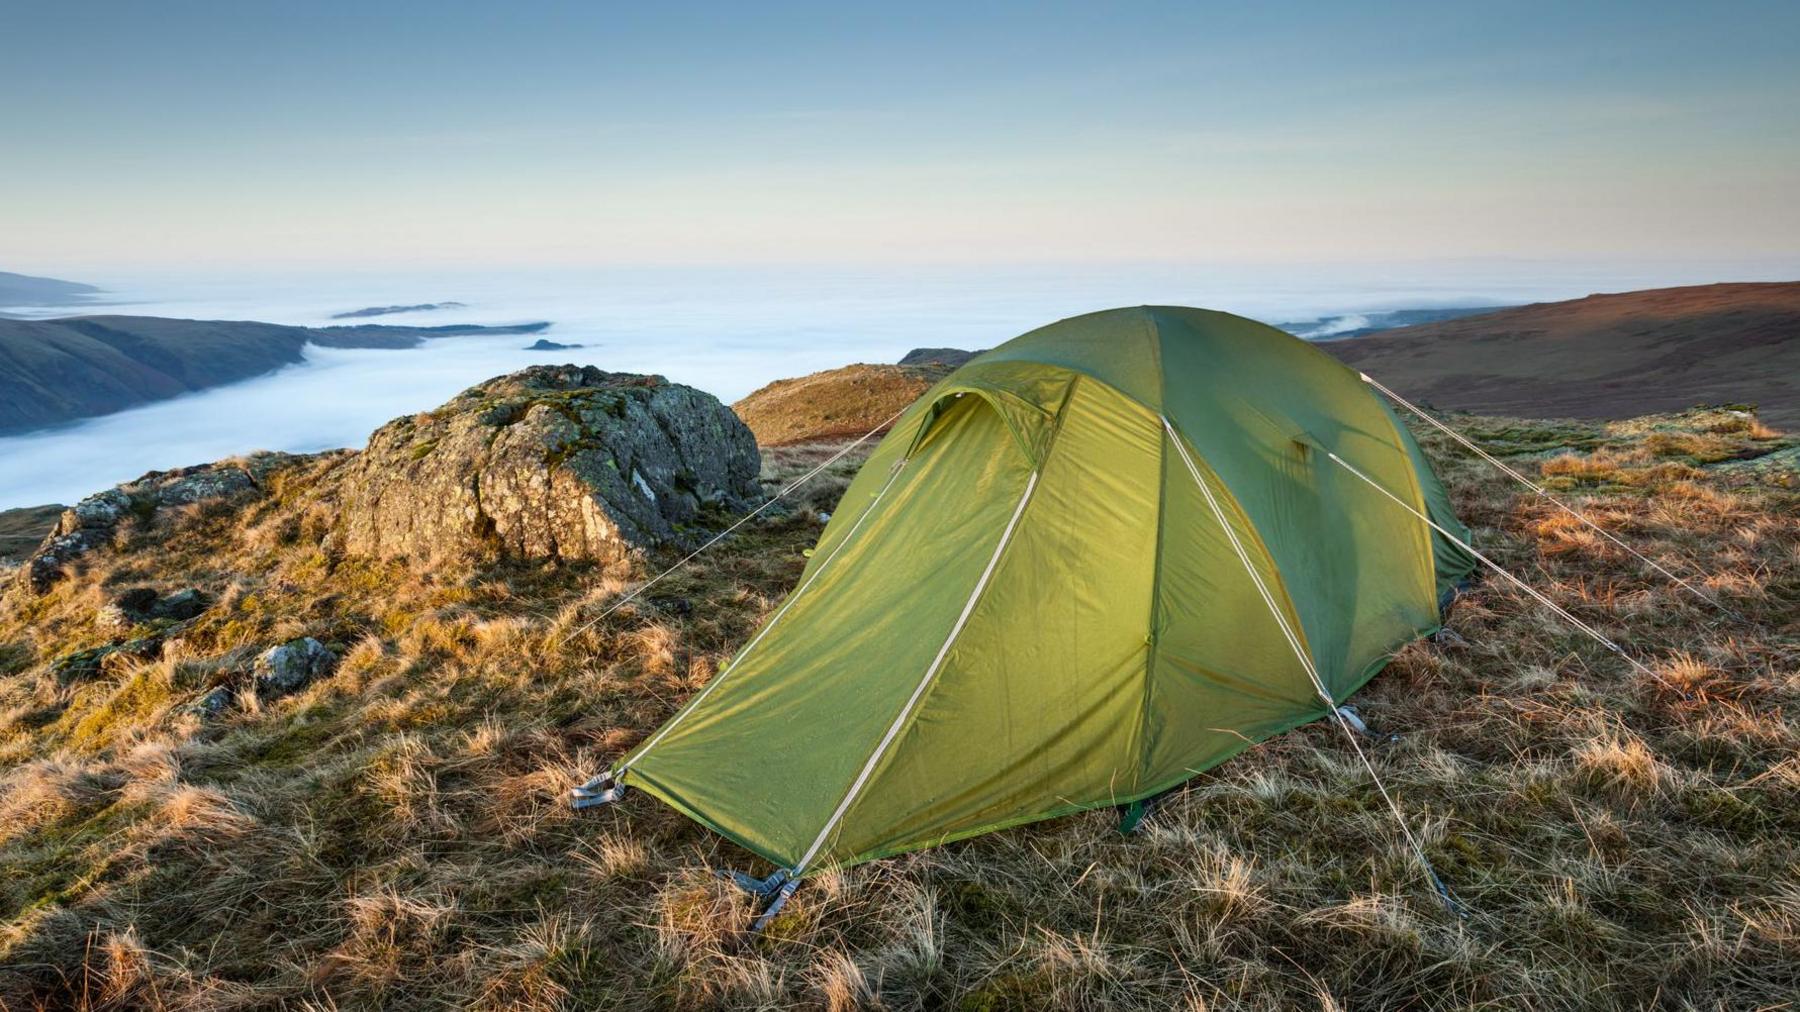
725	331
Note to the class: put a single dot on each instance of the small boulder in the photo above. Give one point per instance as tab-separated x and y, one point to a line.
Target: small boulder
291	666
212	702
141	604
110	660
111	616
181	605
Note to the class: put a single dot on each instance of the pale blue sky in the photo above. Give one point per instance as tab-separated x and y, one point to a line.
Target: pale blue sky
223	134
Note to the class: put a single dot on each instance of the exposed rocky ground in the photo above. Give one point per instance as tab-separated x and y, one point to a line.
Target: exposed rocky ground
241	767
94	522
551	462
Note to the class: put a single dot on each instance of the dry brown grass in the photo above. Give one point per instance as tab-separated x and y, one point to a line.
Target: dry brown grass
835	404
394	836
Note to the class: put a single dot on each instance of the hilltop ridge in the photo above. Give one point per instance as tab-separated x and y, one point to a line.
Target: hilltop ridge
1603	356
54	371
25	290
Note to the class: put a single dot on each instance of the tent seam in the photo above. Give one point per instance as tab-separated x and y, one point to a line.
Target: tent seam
1418	490
1153	331
1155	634
1256	538
917	706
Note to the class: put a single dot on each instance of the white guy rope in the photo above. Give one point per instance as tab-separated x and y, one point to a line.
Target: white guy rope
764	631
1521	584
893	730
1306	663
1545	493
741	521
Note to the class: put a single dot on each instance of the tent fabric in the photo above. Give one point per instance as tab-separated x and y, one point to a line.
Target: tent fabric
1024	606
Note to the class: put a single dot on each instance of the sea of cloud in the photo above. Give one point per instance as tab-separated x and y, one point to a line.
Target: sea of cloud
727	331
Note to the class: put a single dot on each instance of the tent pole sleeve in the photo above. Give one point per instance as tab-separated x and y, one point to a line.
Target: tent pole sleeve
893	731
1515	581
764	631
1312	671
1510	472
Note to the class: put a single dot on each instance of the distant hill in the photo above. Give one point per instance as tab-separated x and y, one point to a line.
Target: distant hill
21	530
834	404
423	307
1331	328
1604	356
54	371
952	357
24	290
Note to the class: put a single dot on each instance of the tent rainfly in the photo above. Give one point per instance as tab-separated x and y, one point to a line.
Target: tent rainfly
1088	565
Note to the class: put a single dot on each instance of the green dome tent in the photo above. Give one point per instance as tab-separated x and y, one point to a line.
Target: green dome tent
1083	568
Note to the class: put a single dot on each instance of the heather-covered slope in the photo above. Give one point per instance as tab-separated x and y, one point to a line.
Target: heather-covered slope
55	371
1605	356
339	781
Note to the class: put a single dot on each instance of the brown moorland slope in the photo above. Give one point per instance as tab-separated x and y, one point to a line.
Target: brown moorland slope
836	403
1605	356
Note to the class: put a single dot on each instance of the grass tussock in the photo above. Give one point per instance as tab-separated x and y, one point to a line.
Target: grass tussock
394	835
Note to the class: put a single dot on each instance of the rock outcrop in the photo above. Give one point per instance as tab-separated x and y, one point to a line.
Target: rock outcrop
554	462
94	521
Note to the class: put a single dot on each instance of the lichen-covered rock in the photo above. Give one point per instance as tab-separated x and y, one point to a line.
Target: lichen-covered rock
212	702
292	665
92	522
142	604
84	665
555	462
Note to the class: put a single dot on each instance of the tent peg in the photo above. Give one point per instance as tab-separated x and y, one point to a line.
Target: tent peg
601	790
774	891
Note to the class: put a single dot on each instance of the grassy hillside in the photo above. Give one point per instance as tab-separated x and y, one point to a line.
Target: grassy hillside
1605	356
395	835
54	371
22	529
836	403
